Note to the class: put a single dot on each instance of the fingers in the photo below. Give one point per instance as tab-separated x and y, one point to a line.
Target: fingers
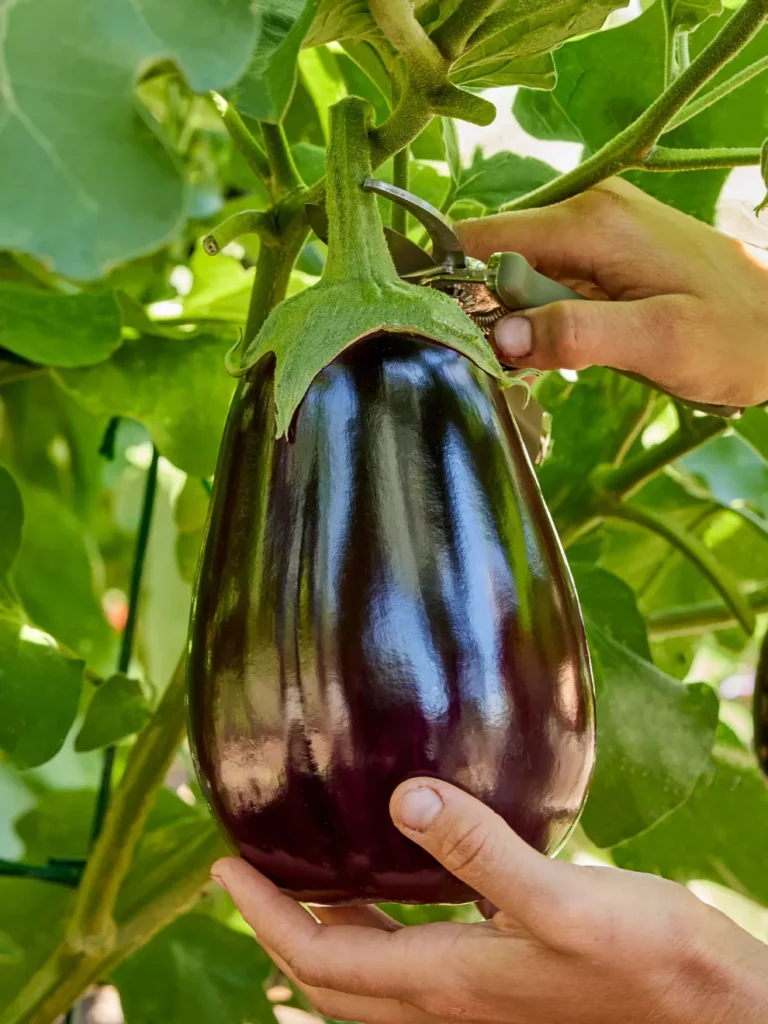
368	917
477	846
362	1009
655	337
353	958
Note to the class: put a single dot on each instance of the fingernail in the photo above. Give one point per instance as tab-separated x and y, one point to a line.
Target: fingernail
419	807
218	880
514	337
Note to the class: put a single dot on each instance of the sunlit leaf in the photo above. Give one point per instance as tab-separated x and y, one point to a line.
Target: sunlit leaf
11	519
118	708
87	180
654	741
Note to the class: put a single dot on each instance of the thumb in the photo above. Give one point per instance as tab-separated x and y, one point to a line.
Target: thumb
477	846
636	335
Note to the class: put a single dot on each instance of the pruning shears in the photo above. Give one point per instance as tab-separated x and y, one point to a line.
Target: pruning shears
485	291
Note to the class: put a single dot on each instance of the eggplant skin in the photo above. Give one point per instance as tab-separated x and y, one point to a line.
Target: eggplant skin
382	596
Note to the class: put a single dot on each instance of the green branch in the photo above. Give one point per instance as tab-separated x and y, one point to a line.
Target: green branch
713	95
662	158
694	619
243	141
398	22
451	37
694	550
246	222
284	177
631	147
400	177
622	480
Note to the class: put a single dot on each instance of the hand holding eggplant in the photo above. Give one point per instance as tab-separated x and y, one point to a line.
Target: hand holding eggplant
675	300
577	945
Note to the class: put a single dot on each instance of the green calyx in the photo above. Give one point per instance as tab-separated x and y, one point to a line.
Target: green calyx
360	293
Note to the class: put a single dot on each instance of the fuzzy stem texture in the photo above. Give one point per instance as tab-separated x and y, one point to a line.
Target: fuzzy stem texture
451	37
719	92
243	140
284	177
400	177
664	158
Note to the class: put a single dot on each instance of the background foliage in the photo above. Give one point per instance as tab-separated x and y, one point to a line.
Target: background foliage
114	163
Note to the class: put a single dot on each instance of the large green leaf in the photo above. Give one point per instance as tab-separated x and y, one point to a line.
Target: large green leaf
654	741
720	833
54	577
341	19
86	180
606	80
34	915
265	90
522	32
58	330
11	520
686	15
195	971
117	709
753	427
611	603
177	388
732	471
39	694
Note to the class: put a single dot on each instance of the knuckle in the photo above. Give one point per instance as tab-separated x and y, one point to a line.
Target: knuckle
307	973
464	847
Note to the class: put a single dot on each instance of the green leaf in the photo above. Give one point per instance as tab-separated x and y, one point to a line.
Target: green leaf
195	970
531	72
452	152
718	574
359	83
54	577
58	330
117	709
39	694
543	116
34	916
323	80
499	178
177	388
611	602
654	740
720	834
341	19
731	468
265	91
87	180
11	520
764	173
522	32
59	825
753	427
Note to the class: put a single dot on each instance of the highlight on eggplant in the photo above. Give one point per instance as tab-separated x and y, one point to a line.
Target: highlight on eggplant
382	595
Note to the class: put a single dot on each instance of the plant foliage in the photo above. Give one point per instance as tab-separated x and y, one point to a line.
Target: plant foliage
127	135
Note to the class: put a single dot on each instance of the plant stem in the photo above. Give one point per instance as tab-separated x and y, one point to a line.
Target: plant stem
126	646
622	480
451	37
61	873
92	928
663	158
397	21
284	178
273	272
246	222
693	619
702	102
92	936
243	140
402	165
630	147
689	545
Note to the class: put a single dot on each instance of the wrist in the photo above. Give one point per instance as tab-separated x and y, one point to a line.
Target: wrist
723	976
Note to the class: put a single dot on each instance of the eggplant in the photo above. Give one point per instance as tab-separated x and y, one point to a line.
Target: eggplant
382	595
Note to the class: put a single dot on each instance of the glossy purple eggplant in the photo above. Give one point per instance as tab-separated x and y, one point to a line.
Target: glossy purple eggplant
382	596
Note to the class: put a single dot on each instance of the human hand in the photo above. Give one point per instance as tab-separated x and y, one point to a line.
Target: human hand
576	945
688	306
